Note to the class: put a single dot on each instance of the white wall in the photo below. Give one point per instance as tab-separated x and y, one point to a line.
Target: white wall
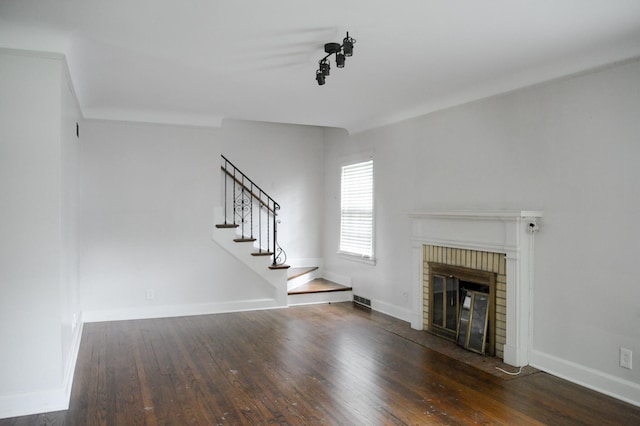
568	147
37	245
147	198
148	194
388	282
70	314
286	162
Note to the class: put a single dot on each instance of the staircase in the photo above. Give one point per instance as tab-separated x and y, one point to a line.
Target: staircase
252	213
247	227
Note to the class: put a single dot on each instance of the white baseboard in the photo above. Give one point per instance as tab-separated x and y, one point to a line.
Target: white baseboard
27	403
598	381
417	322
392	310
147	312
70	368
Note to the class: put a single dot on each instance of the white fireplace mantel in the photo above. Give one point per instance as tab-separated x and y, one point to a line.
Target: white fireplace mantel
509	232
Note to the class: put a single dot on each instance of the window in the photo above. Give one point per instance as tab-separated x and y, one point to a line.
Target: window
356	222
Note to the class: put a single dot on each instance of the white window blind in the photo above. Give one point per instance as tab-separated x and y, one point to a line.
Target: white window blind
356	224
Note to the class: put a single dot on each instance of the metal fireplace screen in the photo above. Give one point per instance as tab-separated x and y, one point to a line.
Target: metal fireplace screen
462	306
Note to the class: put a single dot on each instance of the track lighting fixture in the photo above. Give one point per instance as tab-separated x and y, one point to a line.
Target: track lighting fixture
325	67
342	51
347	45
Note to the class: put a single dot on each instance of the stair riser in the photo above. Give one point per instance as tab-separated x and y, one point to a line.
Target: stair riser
303	279
318	298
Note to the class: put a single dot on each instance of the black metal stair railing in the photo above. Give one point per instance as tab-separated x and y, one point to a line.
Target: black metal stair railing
248	207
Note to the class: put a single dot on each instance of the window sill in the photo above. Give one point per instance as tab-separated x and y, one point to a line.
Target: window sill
357	258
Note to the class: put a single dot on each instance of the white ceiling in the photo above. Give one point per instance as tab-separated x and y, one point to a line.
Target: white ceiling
199	61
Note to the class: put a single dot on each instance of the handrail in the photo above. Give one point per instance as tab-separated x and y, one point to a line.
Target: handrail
245	194
257	197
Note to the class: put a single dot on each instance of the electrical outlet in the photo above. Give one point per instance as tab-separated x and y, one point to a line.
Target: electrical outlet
150	294
626	358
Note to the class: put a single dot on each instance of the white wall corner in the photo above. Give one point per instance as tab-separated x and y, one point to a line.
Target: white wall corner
337	278
28	403
70	368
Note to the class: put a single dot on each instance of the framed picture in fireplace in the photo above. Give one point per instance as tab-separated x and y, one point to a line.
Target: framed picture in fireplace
472	326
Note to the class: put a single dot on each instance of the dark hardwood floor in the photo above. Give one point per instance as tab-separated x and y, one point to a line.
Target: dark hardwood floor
321	364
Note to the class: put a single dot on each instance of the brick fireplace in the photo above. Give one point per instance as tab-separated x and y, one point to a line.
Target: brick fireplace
496	243
469	261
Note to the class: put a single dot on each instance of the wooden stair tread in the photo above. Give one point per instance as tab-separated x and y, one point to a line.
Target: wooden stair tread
319	285
297	272
262	253
279	266
244	240
227	225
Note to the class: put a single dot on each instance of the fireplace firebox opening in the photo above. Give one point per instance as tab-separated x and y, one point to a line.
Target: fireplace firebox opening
449	286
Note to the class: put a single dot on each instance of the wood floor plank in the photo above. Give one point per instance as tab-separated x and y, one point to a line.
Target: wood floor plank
311	365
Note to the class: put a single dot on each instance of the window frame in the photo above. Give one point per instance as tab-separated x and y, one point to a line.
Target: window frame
358	257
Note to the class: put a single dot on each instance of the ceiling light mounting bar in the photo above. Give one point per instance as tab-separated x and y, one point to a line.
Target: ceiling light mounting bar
342	51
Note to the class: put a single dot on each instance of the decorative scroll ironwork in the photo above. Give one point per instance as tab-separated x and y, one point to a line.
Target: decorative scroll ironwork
280	255
250	207
242	204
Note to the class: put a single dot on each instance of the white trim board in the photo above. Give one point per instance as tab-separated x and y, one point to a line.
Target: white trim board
168	311
598	381
57	399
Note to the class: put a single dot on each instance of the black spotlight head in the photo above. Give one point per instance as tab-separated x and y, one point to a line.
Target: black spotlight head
339	60
347	46
319	77
325	67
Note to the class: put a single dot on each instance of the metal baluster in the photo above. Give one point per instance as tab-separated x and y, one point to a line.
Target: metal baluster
234	195
260	222
251	210
226	174
242	207
275	235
